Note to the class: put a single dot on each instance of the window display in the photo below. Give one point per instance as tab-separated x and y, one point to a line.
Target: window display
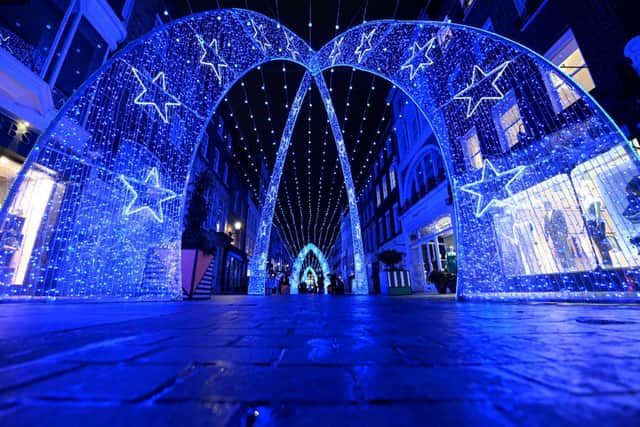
613	223
22	224
541	230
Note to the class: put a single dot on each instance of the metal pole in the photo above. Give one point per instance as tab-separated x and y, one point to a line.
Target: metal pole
65	49
56	40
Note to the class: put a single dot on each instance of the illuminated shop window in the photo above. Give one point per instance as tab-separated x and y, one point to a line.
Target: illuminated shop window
378	195
466	3
508	121
471	145
18	237
392	179
566	54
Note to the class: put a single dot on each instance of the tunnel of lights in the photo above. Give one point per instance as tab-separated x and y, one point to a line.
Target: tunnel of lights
529	218
299	262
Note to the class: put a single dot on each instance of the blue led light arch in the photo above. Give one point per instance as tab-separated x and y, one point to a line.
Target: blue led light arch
544	200
544	210
299	261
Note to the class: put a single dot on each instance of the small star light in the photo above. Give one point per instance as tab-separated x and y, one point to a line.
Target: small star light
483	87
161	91
361	51
493	187
259	36
3	43
335	51
290	47
149	196
419	58
216	62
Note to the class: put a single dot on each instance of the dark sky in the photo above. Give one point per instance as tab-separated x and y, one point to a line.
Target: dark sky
312	195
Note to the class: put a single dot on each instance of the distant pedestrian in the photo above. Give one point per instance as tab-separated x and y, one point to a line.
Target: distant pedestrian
321	284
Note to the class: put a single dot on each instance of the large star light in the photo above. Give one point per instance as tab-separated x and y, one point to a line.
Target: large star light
215	60
419	58
147	196
361	50
493	187
483	87
154	94
259	36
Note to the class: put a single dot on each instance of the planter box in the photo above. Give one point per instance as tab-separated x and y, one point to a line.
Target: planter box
395	282
194	266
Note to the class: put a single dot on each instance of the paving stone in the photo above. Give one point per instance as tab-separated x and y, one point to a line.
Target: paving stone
302	360
108	383
439	414
15	376
212	414
242	355
410	383
583	377
265	384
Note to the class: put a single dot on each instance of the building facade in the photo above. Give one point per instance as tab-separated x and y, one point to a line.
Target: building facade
597	46
379	204
595	42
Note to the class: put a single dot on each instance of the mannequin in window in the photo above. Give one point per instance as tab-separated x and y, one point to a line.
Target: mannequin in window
598	231
557	234
632	212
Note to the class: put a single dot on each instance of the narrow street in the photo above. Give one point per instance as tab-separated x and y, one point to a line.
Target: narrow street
319	361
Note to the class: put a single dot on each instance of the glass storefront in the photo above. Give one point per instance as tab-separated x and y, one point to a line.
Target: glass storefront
18	236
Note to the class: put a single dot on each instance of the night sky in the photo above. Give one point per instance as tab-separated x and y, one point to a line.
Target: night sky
312	194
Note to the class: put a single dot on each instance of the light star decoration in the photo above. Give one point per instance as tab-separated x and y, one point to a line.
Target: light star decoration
3	43
290	47
483	87
419	58
335	51
259	36
159	90
149	195
361	51
216	62
493	187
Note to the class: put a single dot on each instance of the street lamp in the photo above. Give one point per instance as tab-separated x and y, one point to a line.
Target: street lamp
237	225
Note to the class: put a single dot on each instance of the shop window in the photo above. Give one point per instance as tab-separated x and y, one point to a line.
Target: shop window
392	179
465	4
566	54
527	8
471	146
508	121
22	224
378	195
205	145
385	192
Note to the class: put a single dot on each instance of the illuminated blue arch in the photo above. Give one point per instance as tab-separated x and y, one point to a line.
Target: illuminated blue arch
570	161
149	106
297	265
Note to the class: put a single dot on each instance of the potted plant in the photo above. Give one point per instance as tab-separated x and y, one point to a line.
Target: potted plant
394	280
198	247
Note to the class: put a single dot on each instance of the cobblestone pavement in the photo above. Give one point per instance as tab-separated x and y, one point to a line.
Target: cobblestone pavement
319	361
